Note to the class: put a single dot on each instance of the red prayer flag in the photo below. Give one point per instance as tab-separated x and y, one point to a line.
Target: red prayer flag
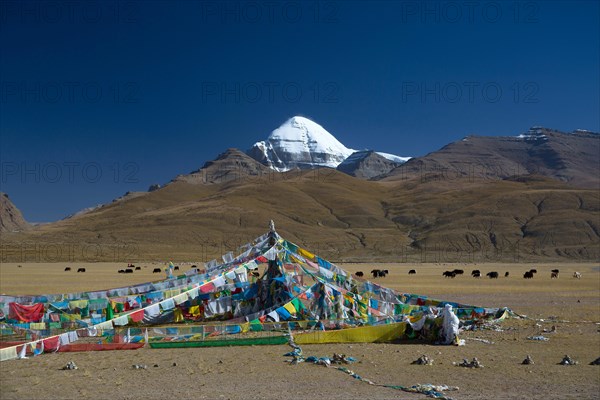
32	313
207	287
137	316
51	344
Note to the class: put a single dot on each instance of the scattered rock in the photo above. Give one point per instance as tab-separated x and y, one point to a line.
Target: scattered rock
155	365
341	359
596	361
528	360
174	364
139	366
423	360
70	365
473	364
568	361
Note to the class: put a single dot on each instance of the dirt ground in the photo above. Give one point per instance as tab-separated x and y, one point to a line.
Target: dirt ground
261	372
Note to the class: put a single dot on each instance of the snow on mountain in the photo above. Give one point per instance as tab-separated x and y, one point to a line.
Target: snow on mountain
394	158
302	143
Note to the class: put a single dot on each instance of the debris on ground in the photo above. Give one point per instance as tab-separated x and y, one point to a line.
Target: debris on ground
139	366
341	359
528	360
423	360
482	340
538	338
473	364
568	361
434	391
70	365
551	330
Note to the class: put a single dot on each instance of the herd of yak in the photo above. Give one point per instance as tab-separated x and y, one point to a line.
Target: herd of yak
130	268
378	273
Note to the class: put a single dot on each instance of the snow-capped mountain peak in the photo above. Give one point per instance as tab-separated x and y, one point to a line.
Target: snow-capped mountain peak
300	143
299	134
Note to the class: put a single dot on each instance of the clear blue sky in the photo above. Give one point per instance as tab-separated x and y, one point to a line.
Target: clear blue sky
101	98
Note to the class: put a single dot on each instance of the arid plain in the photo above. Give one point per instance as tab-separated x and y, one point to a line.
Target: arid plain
571	305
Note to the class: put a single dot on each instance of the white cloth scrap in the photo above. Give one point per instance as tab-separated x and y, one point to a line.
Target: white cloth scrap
152	310
325	272
105	325
193	293
63	338
73	336
227	258
8	353
167	304
219	282
230	275
271	254
121	321
180	298
274	315
241	274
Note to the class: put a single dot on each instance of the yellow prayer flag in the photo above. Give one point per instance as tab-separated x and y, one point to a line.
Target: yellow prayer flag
245	327
290	308
178	315
306	254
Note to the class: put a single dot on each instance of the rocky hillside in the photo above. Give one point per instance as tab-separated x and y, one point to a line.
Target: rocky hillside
11	218
366	164
337	216
573	158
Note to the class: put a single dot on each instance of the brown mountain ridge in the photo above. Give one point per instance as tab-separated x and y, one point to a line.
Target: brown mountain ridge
335	215
11	218
573	158
539	203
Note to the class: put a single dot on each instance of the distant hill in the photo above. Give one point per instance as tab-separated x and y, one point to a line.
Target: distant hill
366	164
231	165
337	216
11	218
573	158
